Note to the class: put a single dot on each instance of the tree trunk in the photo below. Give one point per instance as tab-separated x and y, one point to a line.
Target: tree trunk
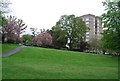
3	39
104	52
70	44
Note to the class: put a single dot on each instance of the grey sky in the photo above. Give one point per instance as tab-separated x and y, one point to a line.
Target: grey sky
45	13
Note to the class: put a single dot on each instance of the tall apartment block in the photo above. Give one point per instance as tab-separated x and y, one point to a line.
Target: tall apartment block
94	25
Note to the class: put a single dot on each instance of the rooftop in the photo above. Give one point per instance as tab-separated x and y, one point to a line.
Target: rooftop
88	15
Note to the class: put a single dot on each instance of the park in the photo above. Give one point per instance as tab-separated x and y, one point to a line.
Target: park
45	63
76	47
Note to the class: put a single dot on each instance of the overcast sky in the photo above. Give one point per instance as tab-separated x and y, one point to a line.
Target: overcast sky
45	13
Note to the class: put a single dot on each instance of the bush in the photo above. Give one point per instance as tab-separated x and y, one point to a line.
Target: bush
11	41
18	41
47	46
79	50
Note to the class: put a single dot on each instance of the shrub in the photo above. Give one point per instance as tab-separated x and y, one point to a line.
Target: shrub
11	41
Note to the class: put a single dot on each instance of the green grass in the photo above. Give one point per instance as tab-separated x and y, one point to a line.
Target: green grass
8	47
43	63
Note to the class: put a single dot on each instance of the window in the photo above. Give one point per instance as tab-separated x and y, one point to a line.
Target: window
87	33
87	37
98	21
87	22
87	18
98	30
87	25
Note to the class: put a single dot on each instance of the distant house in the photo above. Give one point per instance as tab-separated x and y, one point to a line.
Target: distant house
42	39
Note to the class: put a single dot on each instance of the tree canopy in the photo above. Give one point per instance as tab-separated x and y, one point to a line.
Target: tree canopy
75	29
27	38
4	8
13	28
59	37
111	23
42	39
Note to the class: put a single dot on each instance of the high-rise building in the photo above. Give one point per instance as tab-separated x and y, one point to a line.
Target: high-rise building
94	26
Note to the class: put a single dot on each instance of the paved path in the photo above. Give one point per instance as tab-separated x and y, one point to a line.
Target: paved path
12	51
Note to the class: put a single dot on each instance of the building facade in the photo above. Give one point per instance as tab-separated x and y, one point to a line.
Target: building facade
94	26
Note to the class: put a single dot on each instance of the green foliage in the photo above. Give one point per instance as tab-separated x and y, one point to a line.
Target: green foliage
2	19
111	22
42	63
96	45
59	37
11	41
27	38
18	41
75	29
83	46
46	46
4	8
119	4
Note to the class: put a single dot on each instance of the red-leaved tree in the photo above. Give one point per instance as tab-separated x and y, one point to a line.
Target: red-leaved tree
42	39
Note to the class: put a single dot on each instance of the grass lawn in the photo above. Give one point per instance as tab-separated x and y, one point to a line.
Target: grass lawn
43	63
8	47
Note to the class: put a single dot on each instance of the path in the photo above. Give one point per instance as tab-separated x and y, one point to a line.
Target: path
12	51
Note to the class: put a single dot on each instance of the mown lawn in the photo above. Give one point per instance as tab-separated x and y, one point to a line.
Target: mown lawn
43	63
8	47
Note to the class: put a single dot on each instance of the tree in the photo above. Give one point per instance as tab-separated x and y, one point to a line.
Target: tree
42	30
2	19
27	38
34	31
4	6
83	46
13	28
119	5
2	22
111	22
49	31
59	37
95	45
8	30
75	28
42	39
